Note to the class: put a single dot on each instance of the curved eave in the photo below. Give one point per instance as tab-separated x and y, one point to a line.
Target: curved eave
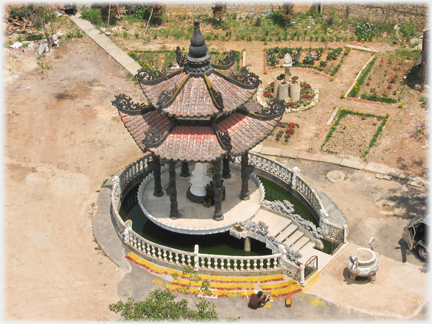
246	132
139	125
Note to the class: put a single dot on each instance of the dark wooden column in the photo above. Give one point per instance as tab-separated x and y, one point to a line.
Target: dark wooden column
226	172
218	191
156	165
172	191
246	170
185	170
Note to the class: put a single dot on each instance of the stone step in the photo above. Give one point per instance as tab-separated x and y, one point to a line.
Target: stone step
293	238
307	251
275	222
286	232
300	243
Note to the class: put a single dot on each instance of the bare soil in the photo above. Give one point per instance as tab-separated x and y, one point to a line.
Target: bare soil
63	138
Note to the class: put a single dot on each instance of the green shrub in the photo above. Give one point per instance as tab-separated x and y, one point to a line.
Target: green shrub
93	15
409	31
365	31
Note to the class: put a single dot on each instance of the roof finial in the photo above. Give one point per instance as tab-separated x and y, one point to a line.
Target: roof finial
198	47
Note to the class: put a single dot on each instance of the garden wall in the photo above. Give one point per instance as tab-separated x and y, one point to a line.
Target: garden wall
410	13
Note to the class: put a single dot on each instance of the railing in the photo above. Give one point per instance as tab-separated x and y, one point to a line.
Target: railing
337	240
139	169
179	258
280	172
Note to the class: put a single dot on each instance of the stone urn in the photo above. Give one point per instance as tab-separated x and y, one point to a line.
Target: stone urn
364	263
277	81
294	89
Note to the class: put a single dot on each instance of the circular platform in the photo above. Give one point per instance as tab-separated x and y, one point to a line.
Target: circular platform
195	218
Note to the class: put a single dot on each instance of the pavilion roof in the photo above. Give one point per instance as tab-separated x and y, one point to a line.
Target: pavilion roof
198	111
198	141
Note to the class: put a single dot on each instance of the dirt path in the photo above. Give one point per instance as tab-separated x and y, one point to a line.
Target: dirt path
63	139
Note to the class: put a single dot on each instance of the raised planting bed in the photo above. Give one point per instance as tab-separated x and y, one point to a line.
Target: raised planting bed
158	60
385	78
354	133
324	60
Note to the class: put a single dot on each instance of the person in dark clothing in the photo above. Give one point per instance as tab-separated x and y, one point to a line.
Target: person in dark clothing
258	300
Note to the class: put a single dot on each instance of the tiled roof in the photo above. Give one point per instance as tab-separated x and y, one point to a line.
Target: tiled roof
246	132
138	125
190	143
198	143
194	99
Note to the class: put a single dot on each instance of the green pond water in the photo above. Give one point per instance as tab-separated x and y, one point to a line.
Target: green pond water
221	243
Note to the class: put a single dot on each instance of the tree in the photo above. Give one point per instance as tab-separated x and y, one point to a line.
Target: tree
219	11
161	305
283	16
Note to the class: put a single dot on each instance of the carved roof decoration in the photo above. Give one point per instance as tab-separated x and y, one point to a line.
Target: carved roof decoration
200	111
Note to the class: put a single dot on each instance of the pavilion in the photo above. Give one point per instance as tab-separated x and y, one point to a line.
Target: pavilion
202	113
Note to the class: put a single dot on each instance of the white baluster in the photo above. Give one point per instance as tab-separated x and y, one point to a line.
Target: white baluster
153	251
183	260
202	263
248	265
189	261
261	264
255	264
208	263
176	258
165	255
170	257
275	263
148	249
241	265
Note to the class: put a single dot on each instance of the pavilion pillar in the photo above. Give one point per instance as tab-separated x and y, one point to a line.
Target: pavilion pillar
185	170
218	191
172	191
156	165
246	170
226	172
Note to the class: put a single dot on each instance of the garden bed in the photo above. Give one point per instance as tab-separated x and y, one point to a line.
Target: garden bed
326	60
386	78
354	133
162	59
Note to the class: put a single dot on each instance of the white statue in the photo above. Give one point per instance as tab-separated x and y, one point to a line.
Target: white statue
199	180
287	61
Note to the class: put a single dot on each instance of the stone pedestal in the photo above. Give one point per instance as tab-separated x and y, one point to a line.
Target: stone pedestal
283	93
276	87
294	90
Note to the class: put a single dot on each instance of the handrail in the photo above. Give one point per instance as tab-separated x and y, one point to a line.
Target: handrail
172	256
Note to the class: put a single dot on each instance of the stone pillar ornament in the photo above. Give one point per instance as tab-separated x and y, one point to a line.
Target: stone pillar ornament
172	192
323	221
196	259
156	166
226	172
185	170
246	170
296	171
218	216
126	232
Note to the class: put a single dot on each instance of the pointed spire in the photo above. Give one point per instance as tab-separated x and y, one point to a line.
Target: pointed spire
198	47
